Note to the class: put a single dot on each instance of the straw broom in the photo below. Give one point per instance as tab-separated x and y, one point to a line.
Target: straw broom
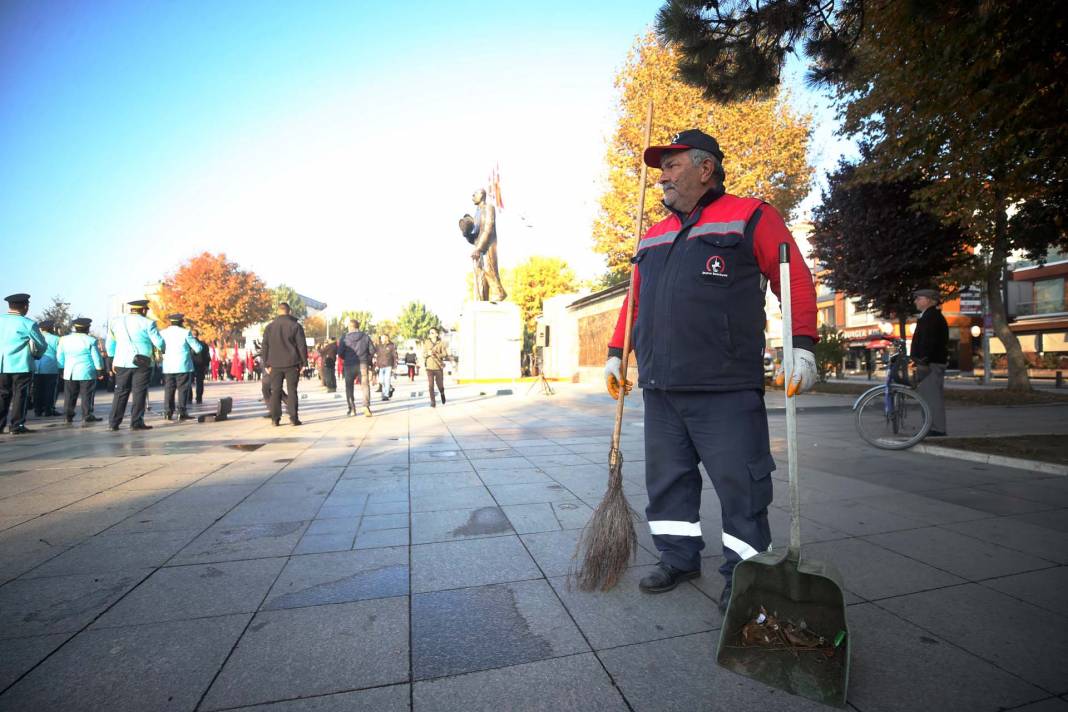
609	540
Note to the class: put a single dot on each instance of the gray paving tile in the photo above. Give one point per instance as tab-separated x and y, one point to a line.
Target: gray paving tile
440	467
453	524
1053	704
383	521
1047	588
958	554
923	508
322	649
471	629
149	667
872	572
681	674
531	493
625	615
320	543
1013	635
459	498
1035	491
514	477
117	552
857	518
545	517
444	482
991	502
230	543
376	507
199	591
394	698
21	654
1056	519
340	577
60	604
499	463
1021	536
899	667
335	525
474	562
577	683
377	538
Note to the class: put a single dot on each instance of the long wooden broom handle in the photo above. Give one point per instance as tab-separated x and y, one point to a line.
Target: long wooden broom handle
629	319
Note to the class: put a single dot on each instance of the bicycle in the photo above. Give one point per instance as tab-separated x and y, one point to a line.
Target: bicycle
893	416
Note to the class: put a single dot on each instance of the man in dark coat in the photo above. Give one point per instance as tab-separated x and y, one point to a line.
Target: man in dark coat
329	356
929	343
285	353
356	351
201	362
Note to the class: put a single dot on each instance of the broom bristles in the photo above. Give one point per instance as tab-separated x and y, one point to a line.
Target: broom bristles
608	542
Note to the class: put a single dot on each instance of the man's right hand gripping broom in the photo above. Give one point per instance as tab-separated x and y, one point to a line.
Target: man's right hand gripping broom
613	378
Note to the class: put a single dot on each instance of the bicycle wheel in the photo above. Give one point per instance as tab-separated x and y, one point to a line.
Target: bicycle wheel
898	426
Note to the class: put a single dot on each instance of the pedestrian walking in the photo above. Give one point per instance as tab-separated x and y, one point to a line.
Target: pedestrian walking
356	351
329	360
285	353
21	342
79	357
410	360
46	373
131	340
201	363
385	362
434	355
930	354
180	347
699	288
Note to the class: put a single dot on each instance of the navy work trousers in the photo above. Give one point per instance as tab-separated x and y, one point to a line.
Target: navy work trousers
727	433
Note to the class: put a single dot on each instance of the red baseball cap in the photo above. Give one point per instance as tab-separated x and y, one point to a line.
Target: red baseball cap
684	140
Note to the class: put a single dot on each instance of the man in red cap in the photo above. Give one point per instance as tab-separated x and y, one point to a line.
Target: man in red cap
700	279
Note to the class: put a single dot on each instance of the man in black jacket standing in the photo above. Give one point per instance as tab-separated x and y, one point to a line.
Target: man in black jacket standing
929	343
201	362
285	353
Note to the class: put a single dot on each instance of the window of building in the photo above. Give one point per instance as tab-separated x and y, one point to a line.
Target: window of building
1049	295
827	317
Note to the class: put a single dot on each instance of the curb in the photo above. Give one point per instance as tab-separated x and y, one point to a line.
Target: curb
1048	468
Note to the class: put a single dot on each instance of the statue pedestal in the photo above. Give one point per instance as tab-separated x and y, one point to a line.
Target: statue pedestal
489	341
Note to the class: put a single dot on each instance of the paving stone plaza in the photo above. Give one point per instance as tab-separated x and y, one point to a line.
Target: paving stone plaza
418	560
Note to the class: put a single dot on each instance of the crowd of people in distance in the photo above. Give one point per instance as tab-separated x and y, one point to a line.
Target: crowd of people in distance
38	363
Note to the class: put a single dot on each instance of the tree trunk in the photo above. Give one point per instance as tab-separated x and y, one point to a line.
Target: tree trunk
1018	378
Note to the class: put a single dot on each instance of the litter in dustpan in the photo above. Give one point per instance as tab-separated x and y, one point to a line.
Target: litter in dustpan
768	631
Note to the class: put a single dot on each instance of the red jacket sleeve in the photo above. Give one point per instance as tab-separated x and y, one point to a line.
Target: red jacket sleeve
770	232
615	344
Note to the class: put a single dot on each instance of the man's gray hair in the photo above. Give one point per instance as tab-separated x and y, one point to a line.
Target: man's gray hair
698	157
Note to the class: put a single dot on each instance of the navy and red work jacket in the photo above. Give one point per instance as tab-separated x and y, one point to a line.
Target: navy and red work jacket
699	281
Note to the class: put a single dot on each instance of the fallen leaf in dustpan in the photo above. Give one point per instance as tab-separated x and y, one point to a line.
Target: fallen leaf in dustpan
767	631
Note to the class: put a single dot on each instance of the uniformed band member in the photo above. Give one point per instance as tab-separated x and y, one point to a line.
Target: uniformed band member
178	349
46	373
699	340
82	366
929	344
131	339
21	341
201	362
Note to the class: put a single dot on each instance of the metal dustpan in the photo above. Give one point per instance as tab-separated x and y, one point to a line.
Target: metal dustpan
807	594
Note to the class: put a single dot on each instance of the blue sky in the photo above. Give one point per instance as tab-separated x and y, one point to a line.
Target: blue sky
327	145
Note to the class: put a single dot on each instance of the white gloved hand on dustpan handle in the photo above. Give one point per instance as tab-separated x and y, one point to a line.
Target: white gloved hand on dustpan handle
804	373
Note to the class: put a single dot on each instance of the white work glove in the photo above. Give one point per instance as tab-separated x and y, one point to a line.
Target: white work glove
804	373
613	378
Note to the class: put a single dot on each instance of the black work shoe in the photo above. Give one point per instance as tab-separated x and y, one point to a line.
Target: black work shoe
169	416
935	434
140	426
665	577
20	430
443	399
113	428
296	422
93	419
184	416
724	599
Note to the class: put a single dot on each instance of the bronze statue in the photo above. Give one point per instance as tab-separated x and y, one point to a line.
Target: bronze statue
481	231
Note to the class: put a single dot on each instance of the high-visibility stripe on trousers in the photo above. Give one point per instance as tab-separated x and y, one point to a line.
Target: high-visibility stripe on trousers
728	433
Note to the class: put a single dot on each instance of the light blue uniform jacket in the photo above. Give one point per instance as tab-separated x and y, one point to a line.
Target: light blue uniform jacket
179	349
79	357
130	335
48	364
16	334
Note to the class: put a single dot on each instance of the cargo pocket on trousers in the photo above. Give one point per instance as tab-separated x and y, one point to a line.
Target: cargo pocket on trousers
760	491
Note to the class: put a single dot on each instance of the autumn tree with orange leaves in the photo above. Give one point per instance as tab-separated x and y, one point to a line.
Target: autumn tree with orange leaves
765	146
216	296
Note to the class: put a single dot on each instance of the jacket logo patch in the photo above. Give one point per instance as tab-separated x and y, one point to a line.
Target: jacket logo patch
715	267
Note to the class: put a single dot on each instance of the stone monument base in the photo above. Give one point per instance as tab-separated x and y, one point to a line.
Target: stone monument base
489	341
